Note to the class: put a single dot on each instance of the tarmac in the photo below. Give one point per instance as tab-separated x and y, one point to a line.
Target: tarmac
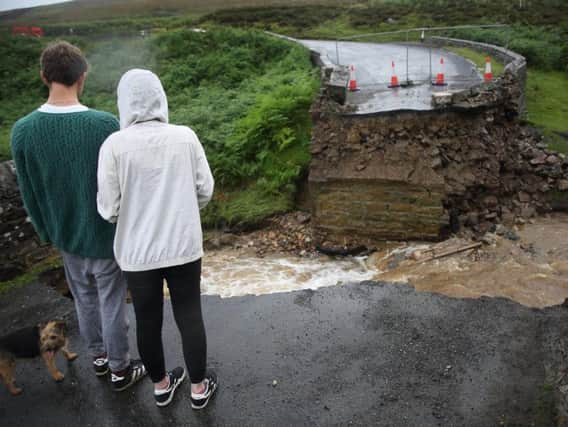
358	354
415	65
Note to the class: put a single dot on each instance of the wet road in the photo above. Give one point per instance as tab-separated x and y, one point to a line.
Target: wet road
373	70
361	354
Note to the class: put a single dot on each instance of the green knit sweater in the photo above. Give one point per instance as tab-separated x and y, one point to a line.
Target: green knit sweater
56	157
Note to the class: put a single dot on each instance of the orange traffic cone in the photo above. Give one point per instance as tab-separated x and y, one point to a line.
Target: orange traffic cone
440	76
352	79
488	75
394	78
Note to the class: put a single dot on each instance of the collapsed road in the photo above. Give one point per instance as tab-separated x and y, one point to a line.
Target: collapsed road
418	65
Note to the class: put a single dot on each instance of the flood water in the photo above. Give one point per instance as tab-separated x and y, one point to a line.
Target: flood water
532	271
231	273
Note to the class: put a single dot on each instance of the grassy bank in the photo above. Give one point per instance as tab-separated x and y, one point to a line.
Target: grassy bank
246	95
479	60
547	105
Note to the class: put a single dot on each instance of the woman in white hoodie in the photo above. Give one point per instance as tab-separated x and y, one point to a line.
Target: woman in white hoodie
153	179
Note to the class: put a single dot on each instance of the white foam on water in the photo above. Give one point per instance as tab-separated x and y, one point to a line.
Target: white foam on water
231	275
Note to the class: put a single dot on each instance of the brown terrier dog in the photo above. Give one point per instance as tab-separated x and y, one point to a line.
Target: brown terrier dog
45	339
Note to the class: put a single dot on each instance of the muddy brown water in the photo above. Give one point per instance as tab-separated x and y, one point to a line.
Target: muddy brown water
532	271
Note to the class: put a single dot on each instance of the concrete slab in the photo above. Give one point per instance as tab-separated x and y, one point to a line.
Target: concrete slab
373	68
360	354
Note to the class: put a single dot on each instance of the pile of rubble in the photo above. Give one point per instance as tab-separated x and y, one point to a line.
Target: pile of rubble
288	233
503	174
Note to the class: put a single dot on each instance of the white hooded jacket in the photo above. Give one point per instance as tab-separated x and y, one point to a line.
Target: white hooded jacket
153	178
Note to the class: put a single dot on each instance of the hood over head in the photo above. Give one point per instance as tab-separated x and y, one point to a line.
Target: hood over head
141	98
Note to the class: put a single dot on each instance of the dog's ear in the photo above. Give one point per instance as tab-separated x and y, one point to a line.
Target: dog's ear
61	325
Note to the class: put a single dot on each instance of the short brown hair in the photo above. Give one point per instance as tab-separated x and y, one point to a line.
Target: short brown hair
61	62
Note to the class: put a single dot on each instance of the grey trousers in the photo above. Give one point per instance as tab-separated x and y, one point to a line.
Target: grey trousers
98	287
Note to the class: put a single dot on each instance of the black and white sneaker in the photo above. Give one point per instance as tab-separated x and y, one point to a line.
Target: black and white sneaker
200	401
164	397
101	366
134	373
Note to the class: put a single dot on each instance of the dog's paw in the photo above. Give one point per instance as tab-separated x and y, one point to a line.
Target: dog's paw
71	356
58	376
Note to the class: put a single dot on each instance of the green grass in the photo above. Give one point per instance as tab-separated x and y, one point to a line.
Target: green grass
547	105
547	99
478	59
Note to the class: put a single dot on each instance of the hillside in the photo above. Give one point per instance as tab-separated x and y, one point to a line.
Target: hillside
233	87
89	10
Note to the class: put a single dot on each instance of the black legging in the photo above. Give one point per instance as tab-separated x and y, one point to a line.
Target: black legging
146	288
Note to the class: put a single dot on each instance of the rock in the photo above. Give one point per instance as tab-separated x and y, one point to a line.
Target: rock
436	163
472	219
511	235
528	212
540	160
490	201
524	197
489	239
562	185
416	255
500	229
552	160
316	149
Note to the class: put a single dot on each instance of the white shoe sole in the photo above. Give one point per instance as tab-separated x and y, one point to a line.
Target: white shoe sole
167	402
203	405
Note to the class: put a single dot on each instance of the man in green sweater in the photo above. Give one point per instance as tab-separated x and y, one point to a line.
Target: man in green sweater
55	149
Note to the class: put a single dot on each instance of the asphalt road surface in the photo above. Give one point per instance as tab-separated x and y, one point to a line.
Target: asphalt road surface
373	71
359	354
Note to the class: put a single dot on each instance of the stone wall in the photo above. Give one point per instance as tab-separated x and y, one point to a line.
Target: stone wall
19	245
421	175
510	84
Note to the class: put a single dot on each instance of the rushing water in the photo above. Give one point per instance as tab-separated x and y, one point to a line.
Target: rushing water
233	273
533	272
